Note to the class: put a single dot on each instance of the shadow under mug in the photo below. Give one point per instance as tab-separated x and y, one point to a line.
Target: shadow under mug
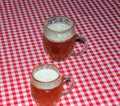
59	38
48	85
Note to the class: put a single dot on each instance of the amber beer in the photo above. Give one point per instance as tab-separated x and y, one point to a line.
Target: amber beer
59	37
59	50
47	85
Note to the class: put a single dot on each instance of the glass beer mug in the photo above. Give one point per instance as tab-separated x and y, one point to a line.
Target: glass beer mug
47	85
59	38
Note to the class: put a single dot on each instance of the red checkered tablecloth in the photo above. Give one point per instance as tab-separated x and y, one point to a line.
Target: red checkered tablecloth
96	74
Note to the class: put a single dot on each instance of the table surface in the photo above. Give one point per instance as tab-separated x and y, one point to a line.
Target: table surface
96	74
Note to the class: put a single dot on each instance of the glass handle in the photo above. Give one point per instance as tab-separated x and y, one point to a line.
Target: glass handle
84	40
68	81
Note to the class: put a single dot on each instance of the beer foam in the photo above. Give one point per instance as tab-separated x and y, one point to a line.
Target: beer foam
58	27
59	32
46	75
46	78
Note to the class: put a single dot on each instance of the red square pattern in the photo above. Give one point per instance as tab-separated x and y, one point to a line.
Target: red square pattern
96	74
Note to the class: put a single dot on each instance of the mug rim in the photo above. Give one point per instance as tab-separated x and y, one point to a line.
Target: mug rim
51	65
71	26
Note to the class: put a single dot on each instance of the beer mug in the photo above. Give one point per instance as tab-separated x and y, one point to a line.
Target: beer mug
48	85
59	38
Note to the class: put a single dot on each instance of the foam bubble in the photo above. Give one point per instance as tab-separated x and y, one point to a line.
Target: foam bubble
58	26
59	32
46	78
46	75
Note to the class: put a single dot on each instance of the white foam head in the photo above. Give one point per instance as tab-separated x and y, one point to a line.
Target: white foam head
45	75
59	27
59	31
46	78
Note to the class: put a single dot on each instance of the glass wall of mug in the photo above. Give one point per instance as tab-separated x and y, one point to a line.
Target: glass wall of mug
47	85
59	37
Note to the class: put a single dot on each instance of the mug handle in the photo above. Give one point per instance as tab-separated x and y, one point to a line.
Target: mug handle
67	81
84	40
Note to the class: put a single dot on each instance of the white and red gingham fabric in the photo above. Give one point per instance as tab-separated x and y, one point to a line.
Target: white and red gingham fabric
96	74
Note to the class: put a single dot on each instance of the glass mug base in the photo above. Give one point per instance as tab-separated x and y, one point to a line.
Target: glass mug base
59	58
46	97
